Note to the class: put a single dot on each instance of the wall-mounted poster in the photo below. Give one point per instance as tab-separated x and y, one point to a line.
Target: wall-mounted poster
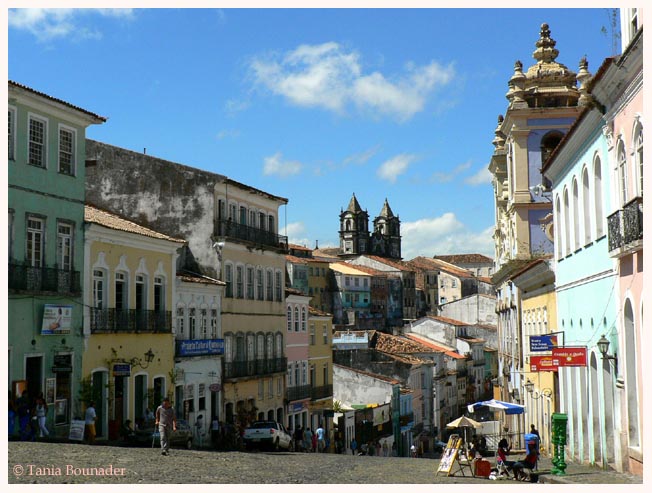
50	384
60	411
56	319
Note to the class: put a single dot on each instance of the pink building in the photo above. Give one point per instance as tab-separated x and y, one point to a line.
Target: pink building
296	348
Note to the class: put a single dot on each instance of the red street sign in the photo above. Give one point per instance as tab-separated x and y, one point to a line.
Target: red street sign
569	356
543	363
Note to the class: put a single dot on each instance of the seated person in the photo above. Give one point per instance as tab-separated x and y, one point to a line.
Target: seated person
127	432
529	462
482	445
503	452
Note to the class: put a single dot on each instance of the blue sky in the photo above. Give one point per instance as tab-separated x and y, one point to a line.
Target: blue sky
310	104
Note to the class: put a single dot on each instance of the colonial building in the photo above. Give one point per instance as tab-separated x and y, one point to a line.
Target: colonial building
232	234
320	363
480	265
296	350
543	104
46	153
128	363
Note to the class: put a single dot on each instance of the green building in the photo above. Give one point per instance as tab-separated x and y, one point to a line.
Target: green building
46	154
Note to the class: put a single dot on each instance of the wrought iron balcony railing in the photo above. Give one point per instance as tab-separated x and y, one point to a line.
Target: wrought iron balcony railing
322	392
44	279
112	320
260	367
231	229
299	392
625	226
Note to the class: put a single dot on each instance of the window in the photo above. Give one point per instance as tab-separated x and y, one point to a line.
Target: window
141	292
325	333
312	334
289	375
366	282
356	282
252	219
159	294
304	373
270	388
243	215
303	319
250	283
37	138
64	246
35	231
192	323
239	290
296	319
289	319
11	126
586	206
271	226
228	279
66	151
213	323
204	323
181	316
638	159
576	216
232	212
121	291
259	285
347	281
98	289
622	172
278	286
270	285
261	220
313	376
597	193
325	382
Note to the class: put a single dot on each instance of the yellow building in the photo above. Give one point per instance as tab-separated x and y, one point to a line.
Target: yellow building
320	364
128	360
538	315
319	285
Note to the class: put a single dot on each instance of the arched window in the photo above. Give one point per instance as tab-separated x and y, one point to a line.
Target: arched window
347	225
289	318
558	227
303	319
296	319
567	225
586	205
548	144
576	216
251	350
638	157
622	171
269	346
260	346
597	194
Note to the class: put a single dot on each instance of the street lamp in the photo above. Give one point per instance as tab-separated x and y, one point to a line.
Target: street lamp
149	357
603	347
529	385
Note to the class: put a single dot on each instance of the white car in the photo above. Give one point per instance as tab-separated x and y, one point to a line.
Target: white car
268	434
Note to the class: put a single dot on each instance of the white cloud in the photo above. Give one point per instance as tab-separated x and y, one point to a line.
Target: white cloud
444	235
362	157
234	106
275	165
296	234
328	76
448	177
482	177
223	134
391	169
48	24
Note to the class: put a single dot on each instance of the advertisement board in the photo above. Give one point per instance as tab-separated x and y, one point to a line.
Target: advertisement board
56	319
543	363
569	356
198	347
543	342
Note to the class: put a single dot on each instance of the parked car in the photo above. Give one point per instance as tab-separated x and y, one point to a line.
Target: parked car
267	434
182	437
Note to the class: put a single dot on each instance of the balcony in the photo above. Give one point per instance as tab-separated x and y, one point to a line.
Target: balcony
625	228
233	230
44	279
297	393
405	419
255	368
112	320
322	392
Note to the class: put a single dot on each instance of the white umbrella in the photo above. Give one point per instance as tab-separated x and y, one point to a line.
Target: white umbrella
464	423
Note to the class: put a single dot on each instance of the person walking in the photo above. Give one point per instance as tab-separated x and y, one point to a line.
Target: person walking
89	420
41	412
321	443
307	440
166	421
354	446
298	439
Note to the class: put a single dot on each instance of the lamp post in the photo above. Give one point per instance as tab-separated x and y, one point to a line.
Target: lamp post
149	357
603	347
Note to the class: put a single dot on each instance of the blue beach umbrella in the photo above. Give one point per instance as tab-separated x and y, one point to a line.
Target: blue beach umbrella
507	407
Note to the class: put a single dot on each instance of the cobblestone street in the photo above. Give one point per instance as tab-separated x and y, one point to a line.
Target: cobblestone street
58	463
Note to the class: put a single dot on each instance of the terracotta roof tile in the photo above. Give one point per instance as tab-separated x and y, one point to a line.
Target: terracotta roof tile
113	221
435	346
465	258
318	313
188	276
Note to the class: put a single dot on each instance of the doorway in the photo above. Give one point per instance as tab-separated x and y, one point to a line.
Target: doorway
34	375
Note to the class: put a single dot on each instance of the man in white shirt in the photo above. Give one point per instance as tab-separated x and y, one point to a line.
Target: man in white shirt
89	421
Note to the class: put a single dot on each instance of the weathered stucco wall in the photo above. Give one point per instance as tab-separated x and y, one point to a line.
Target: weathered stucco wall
168	197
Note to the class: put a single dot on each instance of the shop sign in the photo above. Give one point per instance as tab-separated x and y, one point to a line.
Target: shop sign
297	406
543	363
569	356
543	342
122	370
56	319
77	430
199	347
215	387
62	363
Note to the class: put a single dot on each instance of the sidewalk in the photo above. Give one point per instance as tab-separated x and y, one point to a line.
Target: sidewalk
584	474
